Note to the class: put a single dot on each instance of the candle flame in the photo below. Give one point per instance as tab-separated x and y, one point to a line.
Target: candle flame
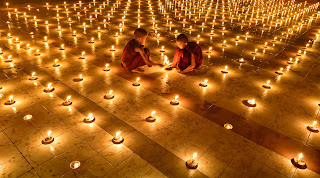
56	60
68	98
118	134
176	97
107	65
110	92
10	97
83	53
194	155
138	79
48	133
49	85
268	82
90	115
314	123
80	76
300	156
33	73
226	67
252	101
152	113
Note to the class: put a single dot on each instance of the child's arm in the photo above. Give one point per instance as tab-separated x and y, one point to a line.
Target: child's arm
143	55
191	66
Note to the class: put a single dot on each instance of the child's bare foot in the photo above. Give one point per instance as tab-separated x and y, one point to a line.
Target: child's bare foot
137	70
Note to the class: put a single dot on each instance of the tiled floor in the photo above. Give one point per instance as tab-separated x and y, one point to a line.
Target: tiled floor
262	142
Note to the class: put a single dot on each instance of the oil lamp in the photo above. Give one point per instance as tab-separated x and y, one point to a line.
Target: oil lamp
79	79
74	33
75	164
118	139
107	68
211	33
27	117
82	55
290	61
92	40
37	53
204	84
67	102
279	72
48	139
109	95
162	49
116	35
1	51
45	39
298	162
49	88
313	127
255	52
8	59
224	43
151	118
225	71
112	48
62	47
56	64
26	48
9	36
33	77
191	163
251	103
209	51
265	45
137	82
10	101
89	118
237	39
17	41
241	60
175	101
228	126
299	53
267	85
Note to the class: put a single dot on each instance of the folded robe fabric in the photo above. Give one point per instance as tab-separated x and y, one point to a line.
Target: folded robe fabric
131	59
182	57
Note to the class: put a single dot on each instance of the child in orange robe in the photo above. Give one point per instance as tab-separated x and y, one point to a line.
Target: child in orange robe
135	55
187	56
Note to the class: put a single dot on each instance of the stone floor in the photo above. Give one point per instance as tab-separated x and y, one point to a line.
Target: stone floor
263	139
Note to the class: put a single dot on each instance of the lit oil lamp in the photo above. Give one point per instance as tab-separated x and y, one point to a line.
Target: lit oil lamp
116	35
33	76
136	83
298	162
106	68
82	55
175	101
67	102
198	38
225	71
1	51
91	41
45	39
118	139
255	52
27	47
274	40
151	118
224	43
99	29
112	48
211	33
49	88
109	95
241	60
209	51
62	47
89	118
279	72
27	117
10	101
191	163
299	53
74	33
290	61
37	53
162	49
9	36
267	85
75	164
48	139
228	126
313	127
78	79
250	103
265	45
17	41
8	59
204	84
237	39
56	64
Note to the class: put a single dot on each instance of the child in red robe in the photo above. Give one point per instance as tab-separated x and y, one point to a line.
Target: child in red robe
188	55
135	55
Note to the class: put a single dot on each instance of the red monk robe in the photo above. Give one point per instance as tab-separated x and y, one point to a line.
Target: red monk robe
131	59
182	57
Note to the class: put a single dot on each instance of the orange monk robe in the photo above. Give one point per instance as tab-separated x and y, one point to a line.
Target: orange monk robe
182	57
131	59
